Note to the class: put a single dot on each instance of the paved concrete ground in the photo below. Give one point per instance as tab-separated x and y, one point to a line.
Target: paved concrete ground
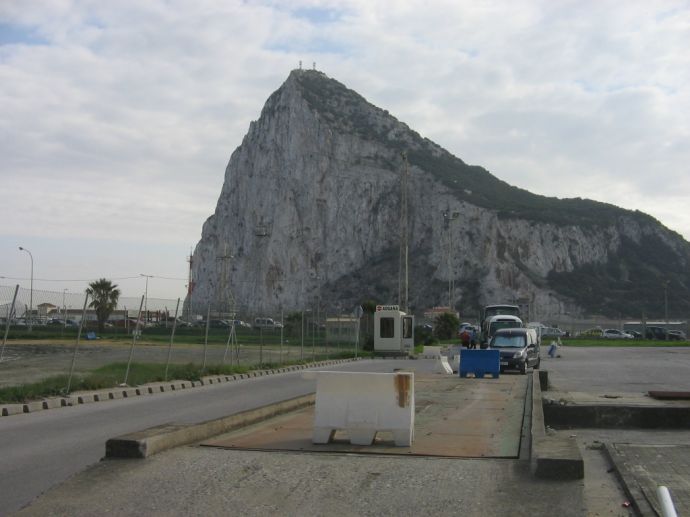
616	459
640	472
196	480
462	418
615	369
203	481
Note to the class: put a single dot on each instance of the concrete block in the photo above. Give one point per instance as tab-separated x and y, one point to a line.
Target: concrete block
12	409
552	457
129	392
151	441
32	407
363	404
52	403
557	458
86	398
114	394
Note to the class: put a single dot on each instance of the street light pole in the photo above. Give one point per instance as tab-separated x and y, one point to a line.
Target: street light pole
449	217
146	296
31	290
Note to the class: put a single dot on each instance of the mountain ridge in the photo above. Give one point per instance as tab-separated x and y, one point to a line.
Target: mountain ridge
311	204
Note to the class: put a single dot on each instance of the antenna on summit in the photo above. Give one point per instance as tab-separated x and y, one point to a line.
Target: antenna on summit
300	64
313	65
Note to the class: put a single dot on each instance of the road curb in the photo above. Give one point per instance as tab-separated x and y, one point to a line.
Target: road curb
76	399
145	443
553	457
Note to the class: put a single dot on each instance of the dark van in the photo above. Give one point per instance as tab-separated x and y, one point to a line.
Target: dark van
519	348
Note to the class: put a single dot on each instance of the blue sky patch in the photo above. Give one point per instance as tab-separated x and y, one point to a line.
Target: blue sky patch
19	35
312	46
318	15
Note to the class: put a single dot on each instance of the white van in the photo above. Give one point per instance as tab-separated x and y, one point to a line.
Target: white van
266	323
502	321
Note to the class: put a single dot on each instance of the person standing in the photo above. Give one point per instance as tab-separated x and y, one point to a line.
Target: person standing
473	338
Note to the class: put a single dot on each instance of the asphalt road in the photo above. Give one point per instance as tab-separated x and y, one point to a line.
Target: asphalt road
42	449
620	370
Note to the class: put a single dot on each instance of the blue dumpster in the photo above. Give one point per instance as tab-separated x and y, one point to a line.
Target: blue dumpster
480	362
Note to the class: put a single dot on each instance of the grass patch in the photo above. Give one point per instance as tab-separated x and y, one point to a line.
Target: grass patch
111	375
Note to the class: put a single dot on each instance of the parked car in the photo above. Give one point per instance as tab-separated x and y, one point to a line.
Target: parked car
550	332
616	334
655	333
518	348
266	323
677	335
635	334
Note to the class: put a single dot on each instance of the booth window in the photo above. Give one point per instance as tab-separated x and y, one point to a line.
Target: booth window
407	328
387	327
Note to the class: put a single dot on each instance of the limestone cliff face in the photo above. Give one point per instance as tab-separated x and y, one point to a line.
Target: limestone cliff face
310	207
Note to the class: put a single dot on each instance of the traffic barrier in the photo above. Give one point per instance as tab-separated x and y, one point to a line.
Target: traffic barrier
31	407
479	363
444	366
363	404
12	409
52	403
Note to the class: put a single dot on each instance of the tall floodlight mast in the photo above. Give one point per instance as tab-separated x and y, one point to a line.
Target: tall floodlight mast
403	263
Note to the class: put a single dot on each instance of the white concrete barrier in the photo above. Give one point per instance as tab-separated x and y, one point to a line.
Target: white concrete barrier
363	404
444	366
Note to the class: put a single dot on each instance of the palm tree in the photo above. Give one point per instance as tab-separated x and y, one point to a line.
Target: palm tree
104	295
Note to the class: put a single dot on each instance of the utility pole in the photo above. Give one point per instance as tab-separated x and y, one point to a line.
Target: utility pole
146	296
190	288
224	258
31	290
403	263
450	217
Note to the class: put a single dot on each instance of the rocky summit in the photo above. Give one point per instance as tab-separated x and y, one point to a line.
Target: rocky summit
313	204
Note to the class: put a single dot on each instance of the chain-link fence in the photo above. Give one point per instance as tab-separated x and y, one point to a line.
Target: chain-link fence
51	333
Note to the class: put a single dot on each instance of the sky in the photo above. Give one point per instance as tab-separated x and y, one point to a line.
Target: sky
117	119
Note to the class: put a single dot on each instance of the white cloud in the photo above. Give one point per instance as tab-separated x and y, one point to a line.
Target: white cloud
119	117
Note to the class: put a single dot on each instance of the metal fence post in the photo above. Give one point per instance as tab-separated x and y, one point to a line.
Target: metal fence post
231	335
134	338
76	344
10	310
282	325
208	323
172	338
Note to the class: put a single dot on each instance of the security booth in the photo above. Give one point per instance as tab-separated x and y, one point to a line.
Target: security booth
393	330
